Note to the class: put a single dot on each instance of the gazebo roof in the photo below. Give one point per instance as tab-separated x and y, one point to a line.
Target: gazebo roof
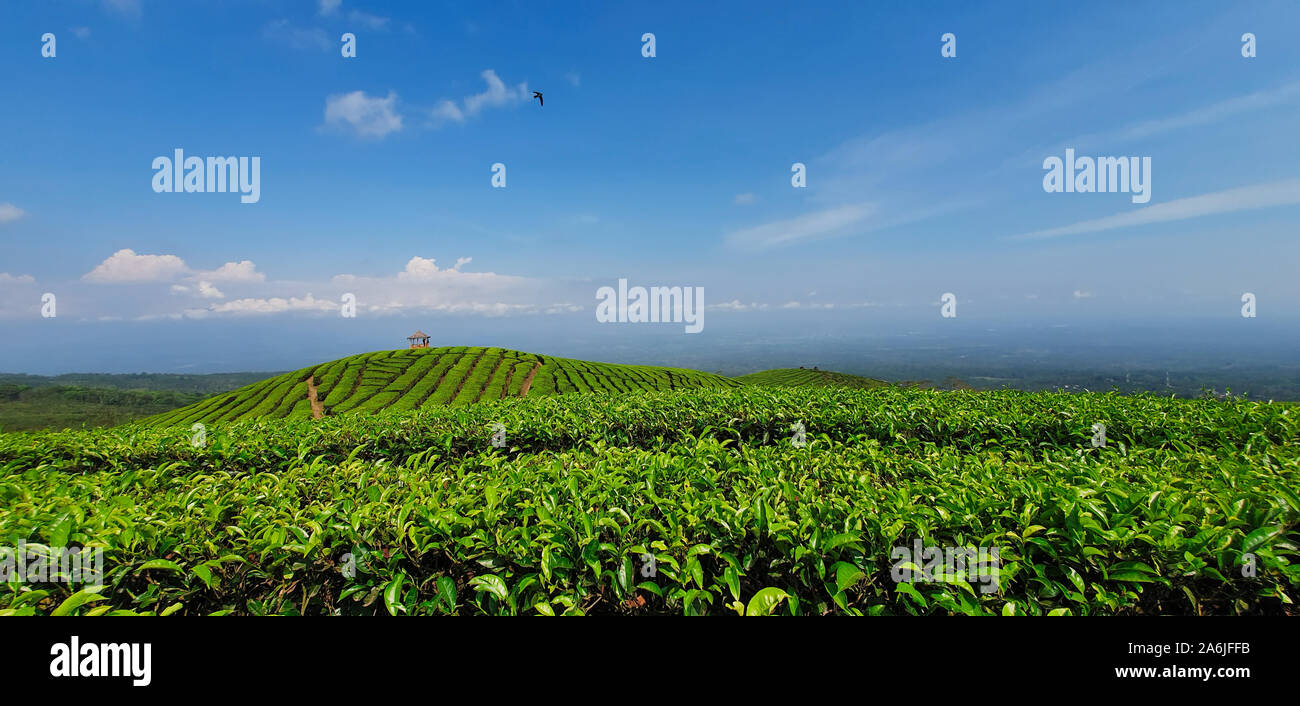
417	334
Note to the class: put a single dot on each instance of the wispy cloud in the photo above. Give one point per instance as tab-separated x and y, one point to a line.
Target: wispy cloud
820	224
736	305
365	115
367	20
10	213
1244	105
1214	113
329	7
794	304
125	8
1244	198
497	95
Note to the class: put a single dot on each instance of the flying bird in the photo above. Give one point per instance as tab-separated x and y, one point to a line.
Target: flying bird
538	96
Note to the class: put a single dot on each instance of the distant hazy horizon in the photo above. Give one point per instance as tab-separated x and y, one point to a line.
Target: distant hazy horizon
1219	353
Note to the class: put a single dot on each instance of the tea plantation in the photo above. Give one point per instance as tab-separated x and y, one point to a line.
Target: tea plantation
698	499
404	380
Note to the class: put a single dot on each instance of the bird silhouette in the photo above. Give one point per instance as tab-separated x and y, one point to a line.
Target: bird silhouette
538	96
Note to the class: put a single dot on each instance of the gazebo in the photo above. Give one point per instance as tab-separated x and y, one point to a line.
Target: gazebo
419	339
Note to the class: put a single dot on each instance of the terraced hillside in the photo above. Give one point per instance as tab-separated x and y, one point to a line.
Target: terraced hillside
799	377
405	380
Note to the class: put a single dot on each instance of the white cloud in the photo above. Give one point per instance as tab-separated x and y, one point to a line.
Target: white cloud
497	95
422	285
446	111
374	22
1244	198
745	199
736	305
426	268
573	78
124	266
242	271
329	7
274	305
80	32
1081	294
801	305
6	278
366	115
829	222
281	32
207	291
10	213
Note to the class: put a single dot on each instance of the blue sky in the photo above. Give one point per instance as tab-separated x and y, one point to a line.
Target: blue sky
924	173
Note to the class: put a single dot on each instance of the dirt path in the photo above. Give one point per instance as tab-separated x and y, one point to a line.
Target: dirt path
317	410
505	388
528	381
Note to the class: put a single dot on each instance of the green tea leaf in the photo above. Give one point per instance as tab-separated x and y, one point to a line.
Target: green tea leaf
765	601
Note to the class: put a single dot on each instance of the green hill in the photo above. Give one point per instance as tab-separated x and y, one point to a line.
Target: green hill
405	380
800	377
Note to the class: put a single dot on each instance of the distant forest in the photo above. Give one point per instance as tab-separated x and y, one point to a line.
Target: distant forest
76	400
196	384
